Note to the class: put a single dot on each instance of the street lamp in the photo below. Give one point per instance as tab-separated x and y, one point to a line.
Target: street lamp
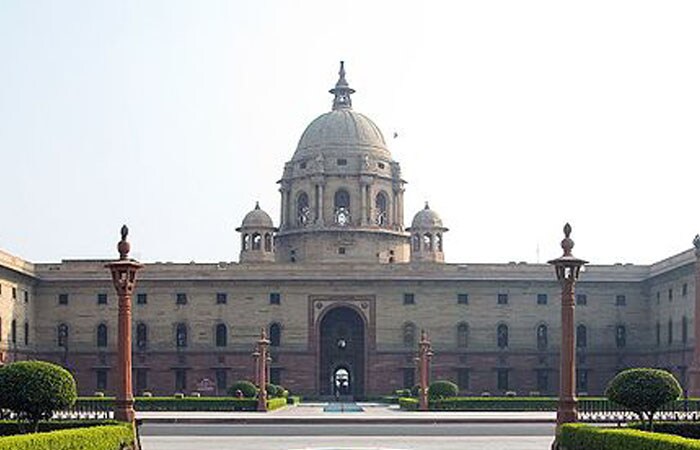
124	279
567	268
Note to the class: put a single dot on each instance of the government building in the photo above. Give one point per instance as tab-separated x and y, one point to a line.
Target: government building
343	286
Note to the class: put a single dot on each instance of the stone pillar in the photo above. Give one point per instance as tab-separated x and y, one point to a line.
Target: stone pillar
424	355
694	370
263	344
124	279
567	269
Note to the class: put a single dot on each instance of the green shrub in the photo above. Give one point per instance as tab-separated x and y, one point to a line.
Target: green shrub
643	391
415	390
246	387
685	429
11	427
110	437
293	400
408	403
271	390
442	389
583	437
276	403
35	389
402	393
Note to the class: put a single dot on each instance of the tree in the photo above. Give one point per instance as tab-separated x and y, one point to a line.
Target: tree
33	390
643	391
245	387
442	389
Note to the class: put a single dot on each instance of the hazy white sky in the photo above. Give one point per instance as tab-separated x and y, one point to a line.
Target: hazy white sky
513	117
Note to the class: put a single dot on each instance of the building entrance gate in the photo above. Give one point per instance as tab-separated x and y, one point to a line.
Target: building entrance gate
342	358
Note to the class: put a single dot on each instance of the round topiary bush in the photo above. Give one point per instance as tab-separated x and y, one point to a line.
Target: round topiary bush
442	389
271	390
643	391
35	389
415	390
246	387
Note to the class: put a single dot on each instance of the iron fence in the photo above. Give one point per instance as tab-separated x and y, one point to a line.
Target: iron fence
605	411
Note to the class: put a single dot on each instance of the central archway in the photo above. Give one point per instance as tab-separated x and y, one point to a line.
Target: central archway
342	358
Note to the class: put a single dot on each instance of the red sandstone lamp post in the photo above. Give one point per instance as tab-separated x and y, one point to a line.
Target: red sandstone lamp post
567	268
423	360
694	371
261	364
124	279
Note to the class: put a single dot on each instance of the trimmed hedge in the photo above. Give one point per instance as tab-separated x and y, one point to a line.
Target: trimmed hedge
276	403
584	437
183	404
442	389
109	437
247	388
484	404
12	427
685	429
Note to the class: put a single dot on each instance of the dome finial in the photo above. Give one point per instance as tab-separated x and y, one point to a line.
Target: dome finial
342	91
257	204
427	206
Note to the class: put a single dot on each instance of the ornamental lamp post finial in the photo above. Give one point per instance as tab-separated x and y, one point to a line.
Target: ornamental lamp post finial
123	247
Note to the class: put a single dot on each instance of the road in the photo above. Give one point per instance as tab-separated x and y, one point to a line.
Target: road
491	436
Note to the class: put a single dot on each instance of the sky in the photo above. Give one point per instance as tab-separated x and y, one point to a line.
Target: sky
512	117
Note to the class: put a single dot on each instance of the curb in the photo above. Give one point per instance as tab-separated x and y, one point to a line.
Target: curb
336	421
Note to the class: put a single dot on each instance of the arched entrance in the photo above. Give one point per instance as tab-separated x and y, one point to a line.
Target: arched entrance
342	347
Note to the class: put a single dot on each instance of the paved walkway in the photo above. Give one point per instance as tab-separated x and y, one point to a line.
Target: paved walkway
371	412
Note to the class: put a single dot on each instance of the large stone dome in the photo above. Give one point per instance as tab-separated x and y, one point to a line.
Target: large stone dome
341	130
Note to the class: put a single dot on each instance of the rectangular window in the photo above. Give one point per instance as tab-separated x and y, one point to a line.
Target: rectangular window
502	380
141	380
221	381
581	381
275	298
26	296
684	290
462	299
658	297
180	380
26	333
620	300
221	298
141	299
181	298
502	299
541	299
341	250
62	299
670	295
543	381
101	299
342	162
101	381
14	293
409	378
463	379
409	299
581	299
275	375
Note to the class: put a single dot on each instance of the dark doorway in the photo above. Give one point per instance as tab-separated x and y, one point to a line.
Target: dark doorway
342	362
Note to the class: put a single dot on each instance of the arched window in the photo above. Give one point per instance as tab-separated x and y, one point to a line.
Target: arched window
462	335
428	242
415	239
380	205
245	241
341	205
303	210
438	242
141	336
409	335
542	337
275	335
684	329
221	335
181	335
62	335
102	335
268	242
620	336
581	336
502	335
257	241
